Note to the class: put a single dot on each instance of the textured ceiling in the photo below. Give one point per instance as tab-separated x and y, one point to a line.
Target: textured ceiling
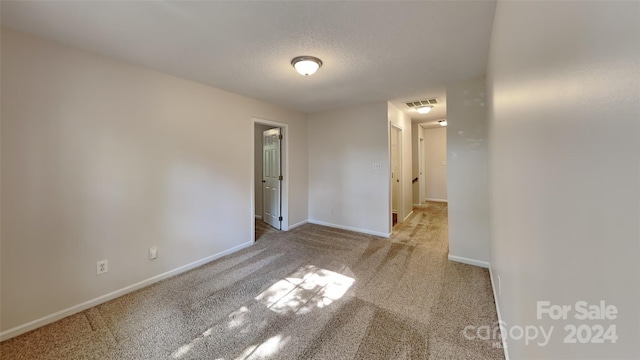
372	51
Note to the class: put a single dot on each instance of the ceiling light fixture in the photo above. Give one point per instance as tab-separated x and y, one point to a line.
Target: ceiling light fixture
306	65
442	122
424	109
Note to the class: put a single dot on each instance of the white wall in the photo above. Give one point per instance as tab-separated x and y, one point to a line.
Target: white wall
344	189
564	86
403	121
101	160
435	157
467	188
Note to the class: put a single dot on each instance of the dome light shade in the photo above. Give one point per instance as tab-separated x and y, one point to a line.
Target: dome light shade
442	122
424	109
306	65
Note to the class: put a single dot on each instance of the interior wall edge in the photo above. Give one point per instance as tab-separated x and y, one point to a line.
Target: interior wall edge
349	228
468	261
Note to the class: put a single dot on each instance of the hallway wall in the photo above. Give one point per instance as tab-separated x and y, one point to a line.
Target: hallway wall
467	183
564	101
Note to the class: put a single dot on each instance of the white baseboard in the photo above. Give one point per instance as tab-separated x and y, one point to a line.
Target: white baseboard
437	200
259	217
406	217
495	299
364	231
468	261
21	329
297	224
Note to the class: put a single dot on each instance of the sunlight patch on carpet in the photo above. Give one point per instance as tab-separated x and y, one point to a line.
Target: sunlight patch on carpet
294	292
306	289
267	349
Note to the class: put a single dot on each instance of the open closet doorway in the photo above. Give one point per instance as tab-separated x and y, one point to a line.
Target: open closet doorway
396	173
269	180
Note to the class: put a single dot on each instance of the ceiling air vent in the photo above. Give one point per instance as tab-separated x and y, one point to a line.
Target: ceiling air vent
422	102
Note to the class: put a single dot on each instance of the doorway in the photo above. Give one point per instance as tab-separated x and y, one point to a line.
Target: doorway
421	174
395	142
270	169
433	152
271	178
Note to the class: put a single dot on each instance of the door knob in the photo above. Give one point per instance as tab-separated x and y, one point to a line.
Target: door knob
264	181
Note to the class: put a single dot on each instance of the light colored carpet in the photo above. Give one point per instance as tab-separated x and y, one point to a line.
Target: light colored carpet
310	293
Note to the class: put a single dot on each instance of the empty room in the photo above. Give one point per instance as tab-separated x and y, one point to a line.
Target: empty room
319	180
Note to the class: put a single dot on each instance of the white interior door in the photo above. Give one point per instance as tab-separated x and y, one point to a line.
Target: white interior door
271	177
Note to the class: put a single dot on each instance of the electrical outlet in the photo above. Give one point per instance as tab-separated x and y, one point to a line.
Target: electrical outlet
153	252
102	267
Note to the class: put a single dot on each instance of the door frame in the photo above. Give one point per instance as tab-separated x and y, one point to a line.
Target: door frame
284	190
421	169
270	205
400	169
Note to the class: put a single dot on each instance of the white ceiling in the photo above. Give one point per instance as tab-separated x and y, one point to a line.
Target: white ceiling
372	51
